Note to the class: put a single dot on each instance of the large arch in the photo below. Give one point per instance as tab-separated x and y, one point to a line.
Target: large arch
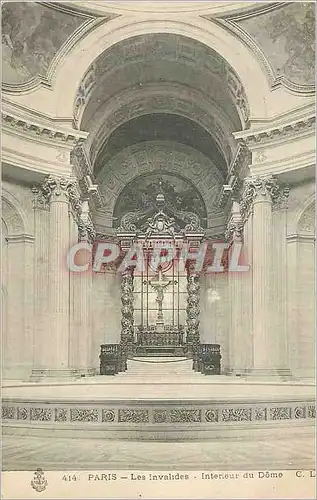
233	50
163	98
13	215
306	217
299	211
177	159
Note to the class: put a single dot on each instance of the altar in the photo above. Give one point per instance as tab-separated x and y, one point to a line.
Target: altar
160	298
154	341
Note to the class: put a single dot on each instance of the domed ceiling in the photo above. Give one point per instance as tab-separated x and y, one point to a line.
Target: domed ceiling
165	87
161	104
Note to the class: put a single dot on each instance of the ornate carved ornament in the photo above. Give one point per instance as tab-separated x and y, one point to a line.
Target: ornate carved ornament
265	187
228	190
12	217
307	221
40	200
106	237
160	224
277	133
215	413
54	188
85	174
236	170
239	96
86	229
41	132
234	231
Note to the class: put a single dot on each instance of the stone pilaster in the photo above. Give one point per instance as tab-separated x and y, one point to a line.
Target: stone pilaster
239	332
41	283
81	330
279	277
247	312
260	193
56	355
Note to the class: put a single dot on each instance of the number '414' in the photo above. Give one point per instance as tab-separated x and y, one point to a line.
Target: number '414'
70	477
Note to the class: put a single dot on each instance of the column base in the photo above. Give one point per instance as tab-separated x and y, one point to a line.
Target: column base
305	374
87	372
270	374
236	372
54	374
16	372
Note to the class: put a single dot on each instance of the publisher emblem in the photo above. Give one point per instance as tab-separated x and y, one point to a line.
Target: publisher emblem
39	482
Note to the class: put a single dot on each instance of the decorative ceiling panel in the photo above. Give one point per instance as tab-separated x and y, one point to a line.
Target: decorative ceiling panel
286	35
35	35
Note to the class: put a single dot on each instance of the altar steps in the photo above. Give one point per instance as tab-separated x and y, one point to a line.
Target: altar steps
145	367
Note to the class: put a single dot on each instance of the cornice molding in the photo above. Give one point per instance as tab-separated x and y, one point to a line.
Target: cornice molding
40	132
278	133
229	23
20	238
295	238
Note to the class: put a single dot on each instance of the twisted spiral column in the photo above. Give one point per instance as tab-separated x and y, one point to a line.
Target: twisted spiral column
193	313
127	310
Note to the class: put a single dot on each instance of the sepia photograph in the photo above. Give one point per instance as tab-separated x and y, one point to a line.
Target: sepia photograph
158	287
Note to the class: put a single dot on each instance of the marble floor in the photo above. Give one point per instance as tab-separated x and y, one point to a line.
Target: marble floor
167	381
28	453
146	378
147	391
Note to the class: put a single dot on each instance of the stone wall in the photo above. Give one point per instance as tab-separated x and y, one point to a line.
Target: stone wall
301	272
18	282
106	312
214	323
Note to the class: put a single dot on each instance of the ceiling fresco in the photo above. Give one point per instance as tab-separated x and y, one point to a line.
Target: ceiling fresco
32	34
286	35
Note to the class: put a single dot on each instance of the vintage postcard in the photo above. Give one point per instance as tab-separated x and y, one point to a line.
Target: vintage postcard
158	250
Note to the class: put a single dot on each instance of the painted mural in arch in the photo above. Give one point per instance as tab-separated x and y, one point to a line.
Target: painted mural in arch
180	196
287	37
32	34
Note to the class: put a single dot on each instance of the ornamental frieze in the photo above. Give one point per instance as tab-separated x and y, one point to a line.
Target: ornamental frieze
212	414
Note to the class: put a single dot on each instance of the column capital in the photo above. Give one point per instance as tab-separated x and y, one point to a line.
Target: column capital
57	188
65	190
281	198
262	189
40	201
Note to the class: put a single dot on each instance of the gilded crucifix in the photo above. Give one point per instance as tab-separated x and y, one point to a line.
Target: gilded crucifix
159	284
